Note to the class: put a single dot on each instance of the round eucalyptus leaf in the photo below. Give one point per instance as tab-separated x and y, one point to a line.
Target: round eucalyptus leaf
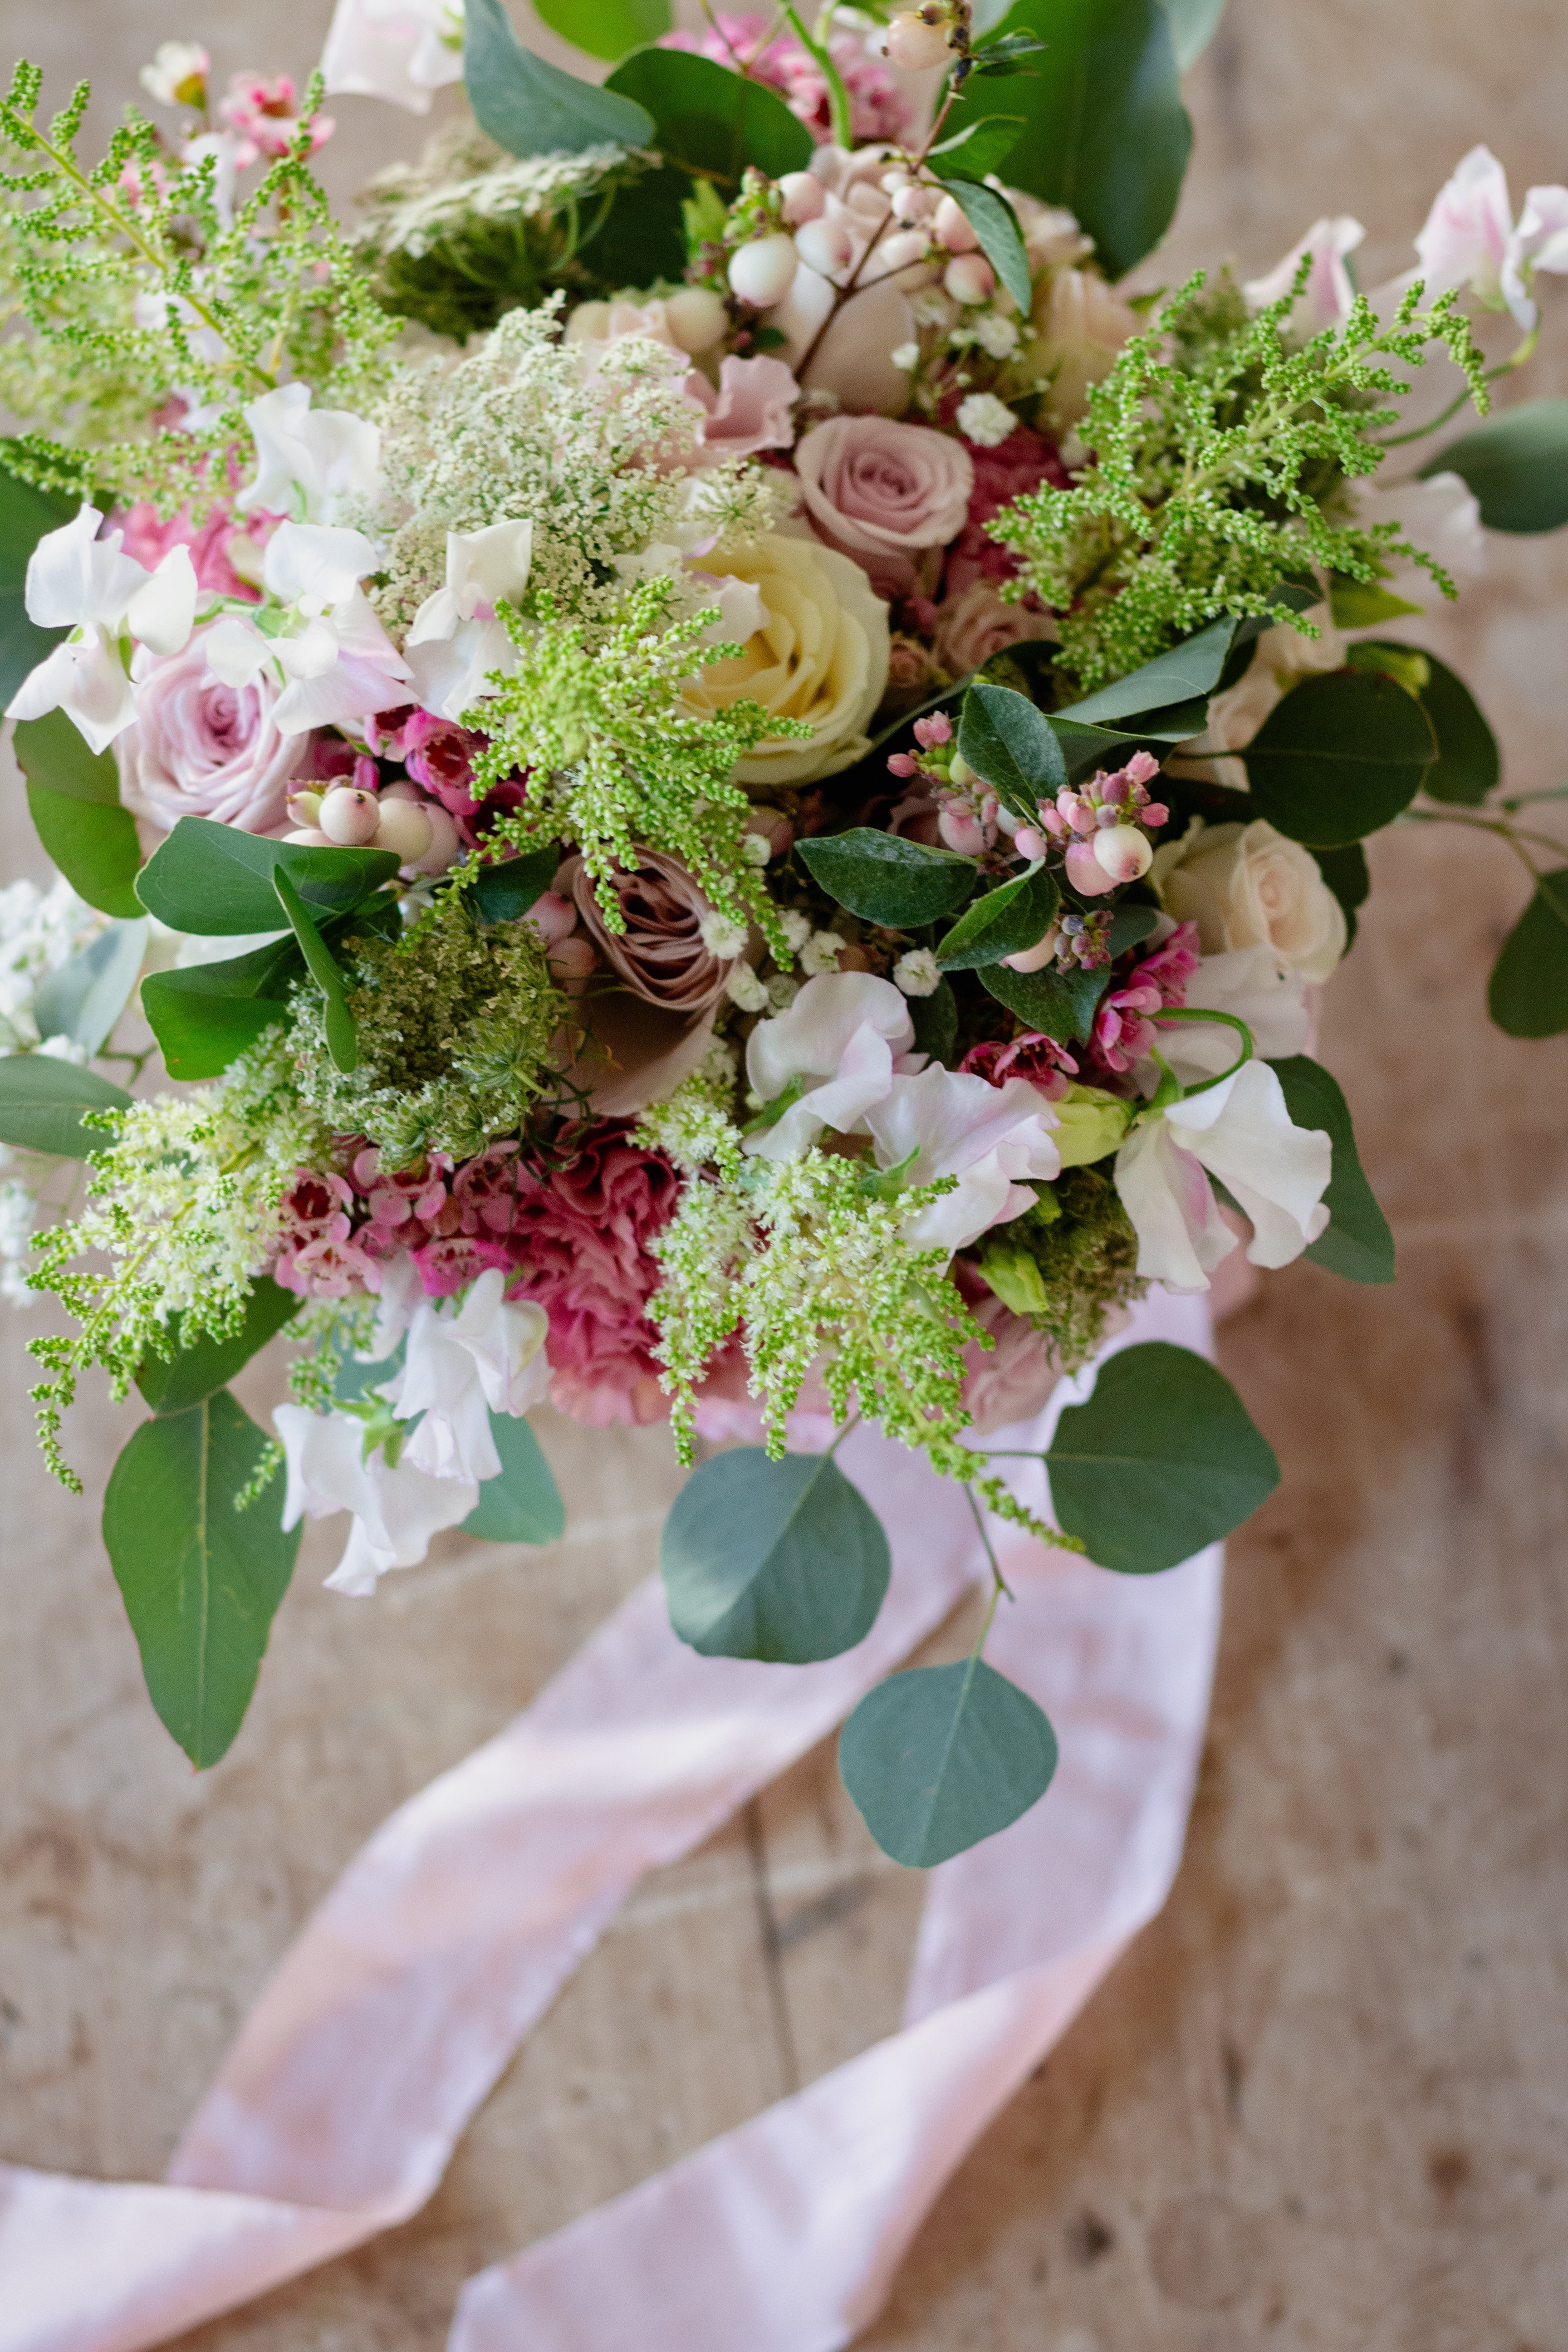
1340	757
779	1560
940	1757
1528	994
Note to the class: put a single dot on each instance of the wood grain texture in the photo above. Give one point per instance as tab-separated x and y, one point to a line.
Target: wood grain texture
1323	2103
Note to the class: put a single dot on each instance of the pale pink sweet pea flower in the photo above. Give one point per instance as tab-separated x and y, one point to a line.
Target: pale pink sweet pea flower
842	1039
459	1367
307	458
395	1512
1327	295
402	51
753	408
78	580
1540	242
456	641
991	1137
1239	1130
1468	237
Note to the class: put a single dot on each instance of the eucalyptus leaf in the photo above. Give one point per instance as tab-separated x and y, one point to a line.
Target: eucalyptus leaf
1186	674
53	751
342	1038
940	1757
1008	742
94	845
1516	462
1129	922
1193	24
1339	758
215	880
995	224
206	1016
26	516
1016	916
201	1580
531	108
1358	1243
606	28
505	892
522	1503
1468	764
42	1100
1059	1004
85	996
785	1561
1345	871
884	878
700	113
983	146
175	1383
1163	1459
1528	994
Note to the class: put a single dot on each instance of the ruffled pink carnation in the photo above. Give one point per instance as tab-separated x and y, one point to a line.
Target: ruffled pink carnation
579	1239
878	108
1019	464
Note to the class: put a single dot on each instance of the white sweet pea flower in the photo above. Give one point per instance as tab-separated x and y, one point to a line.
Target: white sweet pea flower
336	662
838	1040
395	1512
1240	1132
178	74
402	51
315	566
990	1138
456	641
459	1367
1470	239
1253	986
1327	295
88	584
307	458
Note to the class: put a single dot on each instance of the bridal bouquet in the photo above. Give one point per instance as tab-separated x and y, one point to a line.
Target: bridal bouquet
724	775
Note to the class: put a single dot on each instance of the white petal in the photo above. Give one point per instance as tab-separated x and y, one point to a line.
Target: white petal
235	650
490	563
87	680
75	579
1241	1131
810	1038
1182	1236
163	613
318	562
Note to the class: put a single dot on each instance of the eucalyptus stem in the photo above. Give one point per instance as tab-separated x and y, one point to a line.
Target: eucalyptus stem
1516	835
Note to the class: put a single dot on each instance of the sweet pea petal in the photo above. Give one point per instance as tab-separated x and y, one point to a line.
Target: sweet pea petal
163	612
77	580
318	563
1182	1236
87	680
1242	1133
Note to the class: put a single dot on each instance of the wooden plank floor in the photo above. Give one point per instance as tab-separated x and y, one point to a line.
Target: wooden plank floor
1323	2105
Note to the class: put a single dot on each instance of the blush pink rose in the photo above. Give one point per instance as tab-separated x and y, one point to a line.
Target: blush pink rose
200	748
884	492
971	626
753	408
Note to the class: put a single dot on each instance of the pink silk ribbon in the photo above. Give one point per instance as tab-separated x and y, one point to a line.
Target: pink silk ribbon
405	1996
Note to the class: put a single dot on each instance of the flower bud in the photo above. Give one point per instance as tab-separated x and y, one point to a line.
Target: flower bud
305	806
1036	959
762	272
445	841
898	251
805	197
349	817
959	769
404	828
571	960
309	836
696	317
1029	842
969	277
1084	870
915	46
1123	852
914	203
825	246
554	918
962	831
953	227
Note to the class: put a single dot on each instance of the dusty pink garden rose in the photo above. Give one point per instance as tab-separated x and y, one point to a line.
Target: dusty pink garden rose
1012	1381
662	955
884	492
200	748
752	409
973	626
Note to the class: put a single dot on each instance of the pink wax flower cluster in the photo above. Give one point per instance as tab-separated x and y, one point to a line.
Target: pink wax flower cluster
1124	1032
263	117
878	108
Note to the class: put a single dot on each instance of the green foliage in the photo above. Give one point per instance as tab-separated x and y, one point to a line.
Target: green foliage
1357	1244
1011	746
1107	134
940	1757
25	514
1528	993
504	892
73	798
982	146
1220	450
1068	1264
1163	1459
84	997
173	1377
201	1577
1060	1005
995	224
1516	465
42	1102
706	116
206	1016
1345	871
531	108
215	880
1188	673
779	1560
1468	764
277	287
885	879
1002	922
1193	24
338	1021
607	28
1339	758
522	1503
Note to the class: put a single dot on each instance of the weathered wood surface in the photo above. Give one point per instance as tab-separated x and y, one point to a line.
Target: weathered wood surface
1323	2105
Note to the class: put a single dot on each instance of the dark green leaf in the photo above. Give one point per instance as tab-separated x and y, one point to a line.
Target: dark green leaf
983	147
342	1038
884	878
503	892
1339	758
1161	1460
175	1383
1516	462
1193	24
85	995
26	516
936	1022
1357	1243
1008	742
1361	604
1108	135
1016	916
785	1561
1059	1005
96	848
1186	674
1130	923
1528	995
530	108
702	113
995	224
523	1505
41	1102
217	880
206	1015
1467	764
942	1756
201	1581
606	28
642	238
1345	871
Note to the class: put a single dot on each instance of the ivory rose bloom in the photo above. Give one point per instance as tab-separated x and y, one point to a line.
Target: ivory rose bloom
202	748
1245	886
821	656
884	492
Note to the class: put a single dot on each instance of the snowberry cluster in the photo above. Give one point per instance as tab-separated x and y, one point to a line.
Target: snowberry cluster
359	815
1104	824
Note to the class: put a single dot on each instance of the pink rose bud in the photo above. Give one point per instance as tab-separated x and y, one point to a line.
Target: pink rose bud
350	817
961	831
970	279
805	197
1085	872
915	44
1123	852
953	227
1156	814
825	247
554	918
1029	842
762	272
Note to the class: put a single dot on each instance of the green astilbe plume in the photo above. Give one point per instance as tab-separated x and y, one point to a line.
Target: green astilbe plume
278	287
1222	449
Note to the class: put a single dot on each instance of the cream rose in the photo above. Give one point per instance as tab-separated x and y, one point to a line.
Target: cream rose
1245	886
1080	325
820	656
